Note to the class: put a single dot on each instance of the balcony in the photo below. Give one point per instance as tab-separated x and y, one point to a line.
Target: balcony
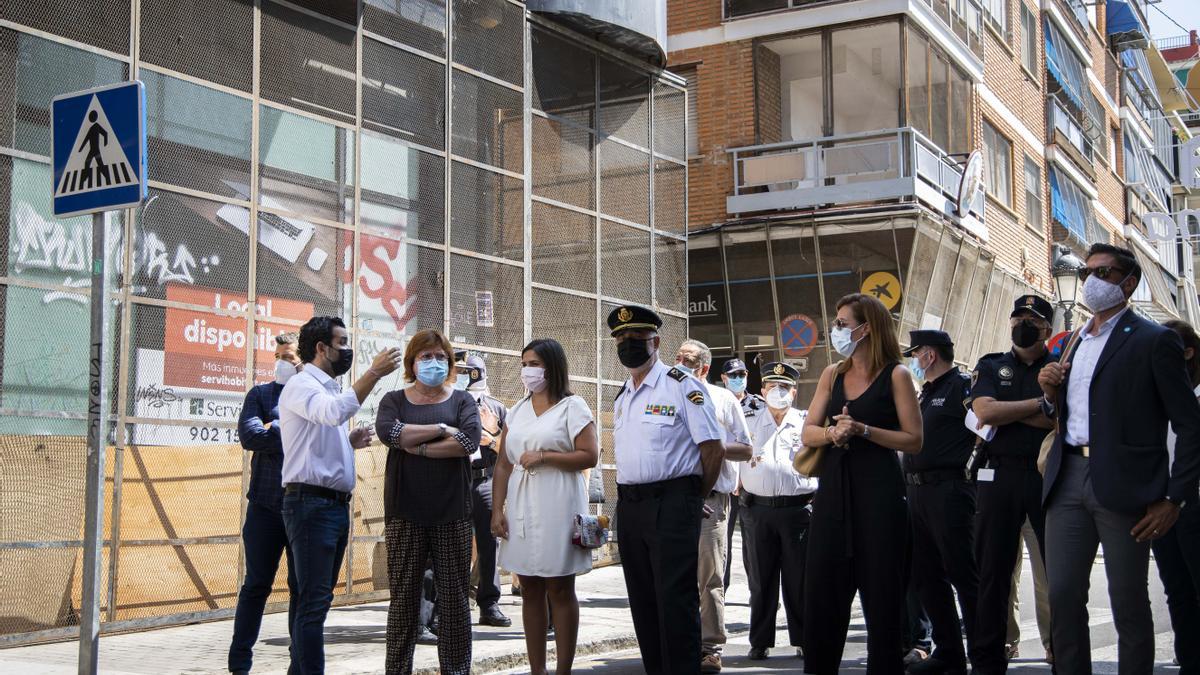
964	18
891	165
1068	126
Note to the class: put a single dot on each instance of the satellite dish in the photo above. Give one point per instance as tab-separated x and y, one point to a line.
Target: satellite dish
970	183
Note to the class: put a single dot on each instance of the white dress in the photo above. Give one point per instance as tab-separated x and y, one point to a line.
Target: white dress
541	504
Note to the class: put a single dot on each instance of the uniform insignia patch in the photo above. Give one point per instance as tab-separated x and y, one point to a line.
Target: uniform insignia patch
677	374
1006	373
660	409
779	369
696	397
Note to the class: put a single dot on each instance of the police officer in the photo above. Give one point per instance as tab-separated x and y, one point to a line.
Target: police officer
733	376
668	448
774	514
1005	395
941	501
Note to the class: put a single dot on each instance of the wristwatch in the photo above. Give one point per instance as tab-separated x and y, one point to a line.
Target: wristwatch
445	428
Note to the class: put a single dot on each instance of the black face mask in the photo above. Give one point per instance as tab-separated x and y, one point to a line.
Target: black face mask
633	352
345	360
1025	334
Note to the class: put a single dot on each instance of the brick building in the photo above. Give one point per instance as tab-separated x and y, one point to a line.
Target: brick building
828	149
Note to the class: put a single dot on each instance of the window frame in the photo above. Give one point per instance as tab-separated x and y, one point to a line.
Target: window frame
998	25
1036	194
1029	43
989	155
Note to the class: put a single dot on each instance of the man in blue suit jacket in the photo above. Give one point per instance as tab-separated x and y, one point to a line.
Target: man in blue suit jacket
1107	476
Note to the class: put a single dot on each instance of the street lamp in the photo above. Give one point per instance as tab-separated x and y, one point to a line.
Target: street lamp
1066	280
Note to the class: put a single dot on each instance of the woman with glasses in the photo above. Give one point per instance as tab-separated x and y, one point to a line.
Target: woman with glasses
430	429
864	411
538	489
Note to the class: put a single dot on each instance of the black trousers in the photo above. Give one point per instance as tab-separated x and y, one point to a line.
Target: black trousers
656	537
774	546
485	544
1178	556
735	507
943	524
1003	505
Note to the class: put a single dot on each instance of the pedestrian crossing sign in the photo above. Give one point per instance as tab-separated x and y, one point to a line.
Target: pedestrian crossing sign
98	142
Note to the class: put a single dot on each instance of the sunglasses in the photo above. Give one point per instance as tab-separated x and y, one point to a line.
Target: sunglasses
1101	272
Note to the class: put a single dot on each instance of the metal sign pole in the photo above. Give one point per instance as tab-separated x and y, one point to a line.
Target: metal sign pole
97	440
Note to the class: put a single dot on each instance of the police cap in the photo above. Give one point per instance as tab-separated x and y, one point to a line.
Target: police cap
633	317
734	366
927	338
1035	304
777	371
476	368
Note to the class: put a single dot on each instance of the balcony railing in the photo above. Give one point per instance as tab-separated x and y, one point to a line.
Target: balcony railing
963	17
1065	122
894	164
1174	42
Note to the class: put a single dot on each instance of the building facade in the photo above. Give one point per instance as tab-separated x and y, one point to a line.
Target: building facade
494	169
828	151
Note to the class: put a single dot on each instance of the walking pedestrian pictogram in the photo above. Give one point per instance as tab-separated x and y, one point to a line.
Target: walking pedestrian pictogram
99	141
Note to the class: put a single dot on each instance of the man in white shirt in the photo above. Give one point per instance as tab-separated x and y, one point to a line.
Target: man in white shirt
318	472
696	357
775	513
1109	480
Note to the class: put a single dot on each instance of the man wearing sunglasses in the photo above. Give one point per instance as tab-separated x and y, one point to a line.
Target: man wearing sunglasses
1108	478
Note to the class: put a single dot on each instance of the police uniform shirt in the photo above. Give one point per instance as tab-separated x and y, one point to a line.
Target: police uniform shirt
1005	377
752	405
733	425
658	427
770	472
948	442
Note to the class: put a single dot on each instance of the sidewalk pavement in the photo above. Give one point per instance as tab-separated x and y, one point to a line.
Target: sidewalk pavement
355	637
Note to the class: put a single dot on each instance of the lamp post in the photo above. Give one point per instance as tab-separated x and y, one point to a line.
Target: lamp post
1065	269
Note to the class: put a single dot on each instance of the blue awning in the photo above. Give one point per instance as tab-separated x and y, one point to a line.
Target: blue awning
1068	205
1125	29
1064	66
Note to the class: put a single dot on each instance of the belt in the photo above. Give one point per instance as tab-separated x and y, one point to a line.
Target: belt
640	491
775	502
304	488
933	476
481	473
1081	450
1012	462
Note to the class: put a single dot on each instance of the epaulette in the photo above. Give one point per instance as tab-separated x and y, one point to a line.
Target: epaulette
677	374
619	392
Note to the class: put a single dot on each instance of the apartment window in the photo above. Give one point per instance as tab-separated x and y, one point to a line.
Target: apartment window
866	78
933	82
1114	141
693	115
1033	194
997	165
996	14
1028	39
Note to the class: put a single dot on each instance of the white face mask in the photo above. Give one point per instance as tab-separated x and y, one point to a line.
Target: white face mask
780	398
284	371
533	378
1100	295
843	340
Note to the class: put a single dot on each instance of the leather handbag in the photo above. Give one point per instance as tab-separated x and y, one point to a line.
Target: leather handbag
807	461
1048	441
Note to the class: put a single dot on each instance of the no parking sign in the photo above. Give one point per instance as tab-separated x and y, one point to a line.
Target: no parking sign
798	335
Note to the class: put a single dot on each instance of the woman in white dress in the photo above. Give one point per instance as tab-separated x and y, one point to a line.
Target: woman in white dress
538	488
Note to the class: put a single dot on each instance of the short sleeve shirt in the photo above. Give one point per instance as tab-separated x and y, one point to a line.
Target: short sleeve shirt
734	430
770	472
948	442
659	426
1005	377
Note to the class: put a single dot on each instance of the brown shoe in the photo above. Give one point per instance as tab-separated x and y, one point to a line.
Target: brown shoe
711	663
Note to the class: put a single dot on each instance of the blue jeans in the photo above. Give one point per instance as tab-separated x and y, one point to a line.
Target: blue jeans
265	540
317	529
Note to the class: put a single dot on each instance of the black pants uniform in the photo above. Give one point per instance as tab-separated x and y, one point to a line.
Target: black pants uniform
735	506
942	509
774	546
659	525
485	544
1014	494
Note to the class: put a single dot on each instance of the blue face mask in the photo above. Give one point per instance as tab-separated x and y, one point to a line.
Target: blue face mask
914	364
737	384
432	373
462	381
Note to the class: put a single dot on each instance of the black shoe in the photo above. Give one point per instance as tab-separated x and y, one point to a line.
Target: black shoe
426	636
935	666
758	653
239	672
492	616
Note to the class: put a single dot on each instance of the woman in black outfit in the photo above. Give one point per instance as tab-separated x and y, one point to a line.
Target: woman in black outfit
431	429
865	410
